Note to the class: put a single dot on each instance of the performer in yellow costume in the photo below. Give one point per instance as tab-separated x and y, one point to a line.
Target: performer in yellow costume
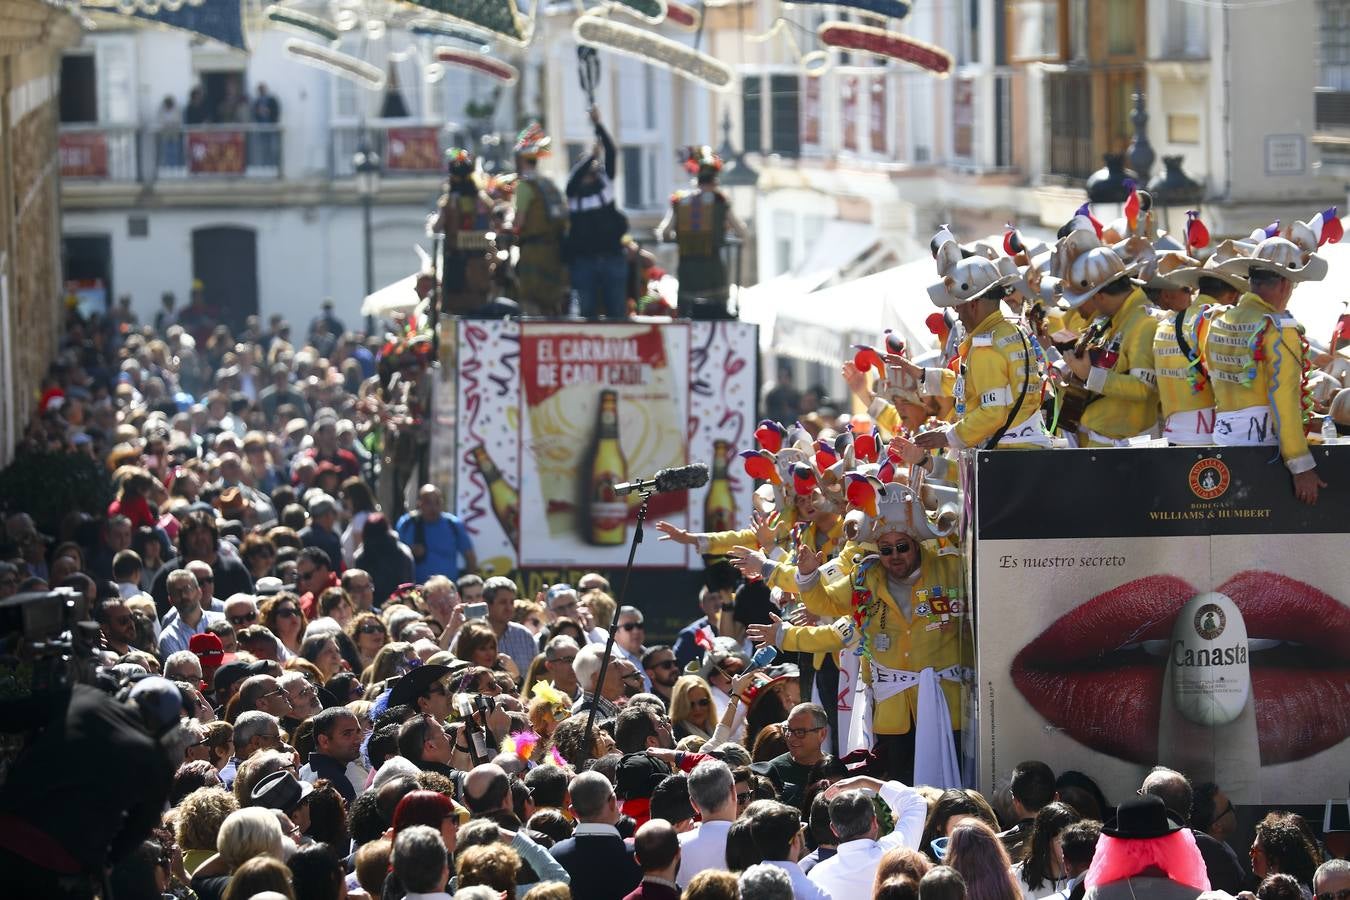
1255	351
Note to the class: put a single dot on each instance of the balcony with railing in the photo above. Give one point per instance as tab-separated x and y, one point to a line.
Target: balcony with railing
109	153
130	154
406	147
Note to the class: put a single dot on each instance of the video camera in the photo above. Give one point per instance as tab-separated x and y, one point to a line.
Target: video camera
47	645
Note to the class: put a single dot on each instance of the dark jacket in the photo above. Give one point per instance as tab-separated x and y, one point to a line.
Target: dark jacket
597	225
1221	862
601	865
388	567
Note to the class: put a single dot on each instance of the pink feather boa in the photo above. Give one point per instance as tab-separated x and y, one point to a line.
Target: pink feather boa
1176	854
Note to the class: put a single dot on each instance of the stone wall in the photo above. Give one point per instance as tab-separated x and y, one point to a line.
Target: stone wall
32	35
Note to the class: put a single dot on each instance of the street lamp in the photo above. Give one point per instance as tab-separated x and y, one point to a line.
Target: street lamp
366	165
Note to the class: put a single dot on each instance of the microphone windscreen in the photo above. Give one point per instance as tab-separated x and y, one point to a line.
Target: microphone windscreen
681	478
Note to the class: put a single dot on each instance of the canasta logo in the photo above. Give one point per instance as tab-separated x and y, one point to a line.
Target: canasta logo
1209	479
1210	621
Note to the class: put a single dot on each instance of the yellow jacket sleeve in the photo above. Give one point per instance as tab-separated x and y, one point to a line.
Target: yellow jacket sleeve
886	417
1133	377
720	542
986	373
1284	348
811	639
833	599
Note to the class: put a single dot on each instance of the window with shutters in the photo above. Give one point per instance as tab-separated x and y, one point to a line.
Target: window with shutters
785	114
1332	97
752	106
1068	111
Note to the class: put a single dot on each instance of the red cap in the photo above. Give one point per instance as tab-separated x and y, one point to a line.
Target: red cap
209	650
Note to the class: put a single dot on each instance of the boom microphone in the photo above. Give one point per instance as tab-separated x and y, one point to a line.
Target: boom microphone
679	478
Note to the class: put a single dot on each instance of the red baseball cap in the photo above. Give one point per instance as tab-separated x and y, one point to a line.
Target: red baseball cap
210	651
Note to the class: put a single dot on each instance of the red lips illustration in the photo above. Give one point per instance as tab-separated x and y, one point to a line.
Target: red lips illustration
1088	673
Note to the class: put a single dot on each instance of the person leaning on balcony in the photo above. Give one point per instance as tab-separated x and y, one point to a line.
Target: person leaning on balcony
540	227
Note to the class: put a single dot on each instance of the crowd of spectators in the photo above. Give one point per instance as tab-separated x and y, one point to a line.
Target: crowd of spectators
364	714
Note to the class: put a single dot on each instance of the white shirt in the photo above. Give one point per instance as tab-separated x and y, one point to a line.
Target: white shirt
720	699
705	847
850	872
804	888
439	895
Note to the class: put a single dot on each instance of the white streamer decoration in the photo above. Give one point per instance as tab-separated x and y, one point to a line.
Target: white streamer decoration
340	64
654	49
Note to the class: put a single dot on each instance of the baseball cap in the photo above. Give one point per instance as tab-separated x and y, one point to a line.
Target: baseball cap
210	651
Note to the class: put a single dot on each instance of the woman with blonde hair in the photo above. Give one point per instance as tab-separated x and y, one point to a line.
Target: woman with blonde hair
245	834
200	815
691	708
393	659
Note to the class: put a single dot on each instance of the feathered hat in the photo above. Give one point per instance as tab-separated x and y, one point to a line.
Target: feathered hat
532	142
968	274
879	508
702	161
1293	256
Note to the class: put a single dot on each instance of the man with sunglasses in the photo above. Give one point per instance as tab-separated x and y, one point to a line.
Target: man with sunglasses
914	627
662	671
190	618
631	631
559	654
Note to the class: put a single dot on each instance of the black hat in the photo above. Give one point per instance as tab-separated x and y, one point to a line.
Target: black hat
638	776
1142	818
415	683
280	790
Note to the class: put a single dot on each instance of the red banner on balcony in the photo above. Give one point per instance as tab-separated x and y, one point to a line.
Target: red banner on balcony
216	152
83	154
810	110
413	150
878	100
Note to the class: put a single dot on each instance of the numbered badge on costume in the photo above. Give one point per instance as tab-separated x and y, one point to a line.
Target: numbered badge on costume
882	643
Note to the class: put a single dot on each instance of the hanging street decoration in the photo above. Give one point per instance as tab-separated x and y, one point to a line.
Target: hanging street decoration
651	11
653	49
294	19
501	17
890	44
431	27
341	64
682	15
886	9
219	20
478	62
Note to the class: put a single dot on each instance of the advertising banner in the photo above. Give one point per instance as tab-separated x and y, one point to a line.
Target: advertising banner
1164	606
83	154
216	152
553	415
413	150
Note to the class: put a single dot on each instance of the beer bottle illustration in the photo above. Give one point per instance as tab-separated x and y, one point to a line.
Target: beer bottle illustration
719	507
504	499
606	511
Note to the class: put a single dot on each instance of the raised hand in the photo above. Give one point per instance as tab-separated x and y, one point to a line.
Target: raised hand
672	532
765	634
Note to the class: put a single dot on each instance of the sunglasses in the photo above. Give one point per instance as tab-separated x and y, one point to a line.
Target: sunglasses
728	607
370	628
939	846
240	620
302	576
666	664
632	676
206	580
886	550
631	626
287	612
701	703
564	659
742	797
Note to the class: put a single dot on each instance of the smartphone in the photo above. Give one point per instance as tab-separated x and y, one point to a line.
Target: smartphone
475	610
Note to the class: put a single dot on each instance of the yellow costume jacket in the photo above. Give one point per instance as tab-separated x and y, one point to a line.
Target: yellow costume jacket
1176	377
929	638
996	373
1129	392
1273	377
